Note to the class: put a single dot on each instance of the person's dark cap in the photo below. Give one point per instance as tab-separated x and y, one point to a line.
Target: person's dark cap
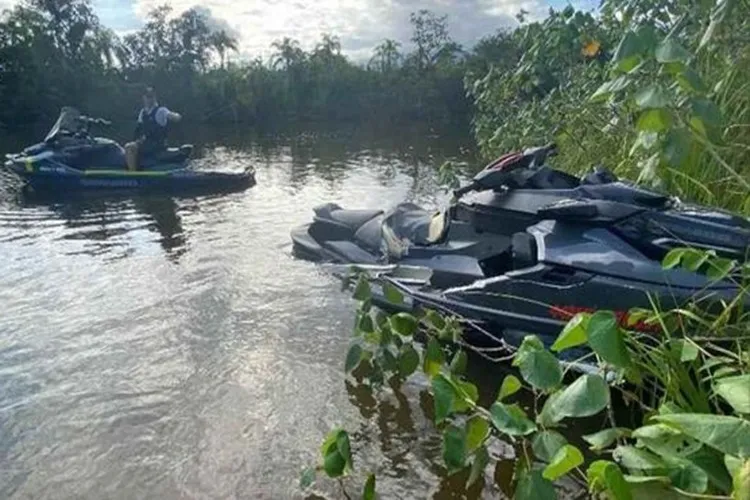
149	92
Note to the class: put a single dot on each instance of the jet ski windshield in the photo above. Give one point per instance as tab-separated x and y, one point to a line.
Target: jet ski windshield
67	124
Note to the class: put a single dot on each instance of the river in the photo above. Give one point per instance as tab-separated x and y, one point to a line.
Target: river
174	348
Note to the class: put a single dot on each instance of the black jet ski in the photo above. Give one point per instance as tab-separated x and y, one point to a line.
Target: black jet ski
70	159
535	245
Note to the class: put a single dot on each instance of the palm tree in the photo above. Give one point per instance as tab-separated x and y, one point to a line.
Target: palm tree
221	41
386	56
288	53
328	48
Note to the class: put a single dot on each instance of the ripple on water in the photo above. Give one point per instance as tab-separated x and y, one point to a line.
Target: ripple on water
158	347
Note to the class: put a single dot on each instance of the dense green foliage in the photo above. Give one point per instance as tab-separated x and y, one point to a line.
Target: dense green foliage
656	89
689	386
56	52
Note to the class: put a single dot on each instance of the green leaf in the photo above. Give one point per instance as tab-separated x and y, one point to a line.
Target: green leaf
647	35
585	397
454	448
675	151
537	365
736	391
546	444
654	120
707	112
459	362
434	320
694	259
533	486
606	339
353	358
510	386
603	439
334	464
574	333
368	493
616	484
444	395
685	349
635	458
548	417
362	291
686	476
603	475
673	258
719	268
392	294
344	448
712	463
364	324
477	430
741	482
628	52
565	460
666	441
729	435
646	140
434	357
373	337
733	464
387	360
690	81
652	96
481	459
307	478
464	391
611	87
670	51
511	420
408	360
404	324
329	443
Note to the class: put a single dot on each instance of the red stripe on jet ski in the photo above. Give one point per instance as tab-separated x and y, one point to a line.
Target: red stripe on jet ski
567	313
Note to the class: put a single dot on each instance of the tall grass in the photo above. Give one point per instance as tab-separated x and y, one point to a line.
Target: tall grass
519	107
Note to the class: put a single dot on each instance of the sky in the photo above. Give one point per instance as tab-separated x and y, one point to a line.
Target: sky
360	24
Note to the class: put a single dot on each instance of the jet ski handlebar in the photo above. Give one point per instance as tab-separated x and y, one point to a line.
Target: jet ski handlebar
88	120
492	175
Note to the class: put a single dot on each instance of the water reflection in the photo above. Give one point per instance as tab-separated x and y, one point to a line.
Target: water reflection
106	224
173	348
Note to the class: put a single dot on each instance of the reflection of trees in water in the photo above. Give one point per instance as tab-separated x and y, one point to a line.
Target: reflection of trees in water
101	219
167	222
329	152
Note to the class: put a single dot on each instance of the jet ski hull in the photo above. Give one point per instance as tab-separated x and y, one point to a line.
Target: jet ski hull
165	178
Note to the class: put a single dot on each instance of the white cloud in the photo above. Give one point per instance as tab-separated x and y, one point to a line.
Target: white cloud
360	24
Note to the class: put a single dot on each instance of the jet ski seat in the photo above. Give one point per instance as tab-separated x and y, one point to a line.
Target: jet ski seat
410	225
173	155
352	220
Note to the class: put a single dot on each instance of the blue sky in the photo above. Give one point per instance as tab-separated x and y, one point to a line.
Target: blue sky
360	24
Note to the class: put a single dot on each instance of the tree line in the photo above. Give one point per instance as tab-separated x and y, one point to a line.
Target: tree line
57	52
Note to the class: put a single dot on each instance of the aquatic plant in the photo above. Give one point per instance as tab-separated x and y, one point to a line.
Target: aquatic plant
690	383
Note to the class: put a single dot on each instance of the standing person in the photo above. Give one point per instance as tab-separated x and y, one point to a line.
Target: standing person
151	131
